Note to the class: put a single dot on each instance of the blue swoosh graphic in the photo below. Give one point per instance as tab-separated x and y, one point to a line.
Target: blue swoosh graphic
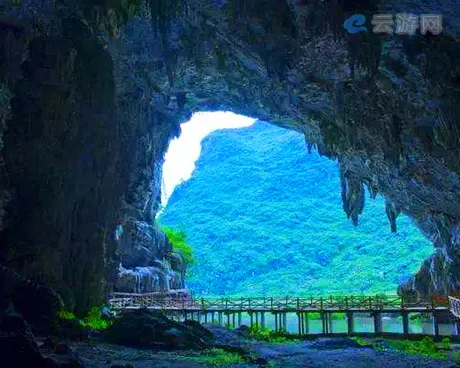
355	24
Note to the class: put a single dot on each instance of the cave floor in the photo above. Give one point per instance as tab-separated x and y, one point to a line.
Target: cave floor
319	353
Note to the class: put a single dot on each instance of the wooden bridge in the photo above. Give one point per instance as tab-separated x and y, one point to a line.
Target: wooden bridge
182	305
454	306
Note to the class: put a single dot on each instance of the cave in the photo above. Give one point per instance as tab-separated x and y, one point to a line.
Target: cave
92	93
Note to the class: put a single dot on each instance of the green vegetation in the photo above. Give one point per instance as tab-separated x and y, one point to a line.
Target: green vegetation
334	316
179	244
264	217
265	334
426	347
215	357
362	342
419	318
93	321
66	315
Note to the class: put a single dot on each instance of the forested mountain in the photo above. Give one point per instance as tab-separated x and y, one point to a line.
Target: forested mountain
265	217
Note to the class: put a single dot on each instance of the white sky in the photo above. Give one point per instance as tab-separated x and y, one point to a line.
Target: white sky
184	151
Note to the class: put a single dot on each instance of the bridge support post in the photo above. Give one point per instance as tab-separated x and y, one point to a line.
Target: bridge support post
435	324
329	323
378	324
239	319
276	321
299	322
324	323
405	320
457	326
251	317
262	319
205	317
219	316
228	319
350	323
305	324
284	322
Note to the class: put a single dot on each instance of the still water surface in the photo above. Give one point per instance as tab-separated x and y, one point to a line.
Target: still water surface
363	323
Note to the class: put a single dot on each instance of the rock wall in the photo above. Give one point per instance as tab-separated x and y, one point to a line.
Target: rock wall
82	156
90	97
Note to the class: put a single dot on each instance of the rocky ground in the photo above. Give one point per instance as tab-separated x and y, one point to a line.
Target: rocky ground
319	353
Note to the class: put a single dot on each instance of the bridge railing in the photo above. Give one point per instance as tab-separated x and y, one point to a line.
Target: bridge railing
183	300
454	306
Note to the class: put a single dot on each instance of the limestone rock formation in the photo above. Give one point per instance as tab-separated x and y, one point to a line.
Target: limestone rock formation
92	93
147	262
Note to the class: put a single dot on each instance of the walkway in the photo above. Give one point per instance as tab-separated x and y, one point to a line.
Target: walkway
229	310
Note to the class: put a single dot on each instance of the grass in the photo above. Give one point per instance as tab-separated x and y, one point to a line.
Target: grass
426	347
214	357
265	218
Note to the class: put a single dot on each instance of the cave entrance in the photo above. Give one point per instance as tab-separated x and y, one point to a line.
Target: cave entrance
264	217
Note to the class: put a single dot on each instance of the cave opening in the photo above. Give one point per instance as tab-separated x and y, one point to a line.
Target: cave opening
264	217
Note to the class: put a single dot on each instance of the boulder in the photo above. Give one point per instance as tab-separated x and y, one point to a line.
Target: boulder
151	329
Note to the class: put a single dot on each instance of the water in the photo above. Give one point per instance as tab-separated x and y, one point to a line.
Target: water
363	323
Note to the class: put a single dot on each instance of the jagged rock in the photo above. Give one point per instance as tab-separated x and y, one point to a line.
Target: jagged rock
141	244
17	343
392	210
150	329
18	347
21	294
160	277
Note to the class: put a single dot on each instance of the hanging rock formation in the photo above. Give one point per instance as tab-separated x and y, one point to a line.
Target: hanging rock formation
90	96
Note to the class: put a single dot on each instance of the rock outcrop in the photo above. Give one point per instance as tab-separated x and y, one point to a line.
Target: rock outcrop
148	263
90	96
149	329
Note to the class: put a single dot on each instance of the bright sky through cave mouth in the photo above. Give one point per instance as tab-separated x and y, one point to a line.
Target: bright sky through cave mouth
183	152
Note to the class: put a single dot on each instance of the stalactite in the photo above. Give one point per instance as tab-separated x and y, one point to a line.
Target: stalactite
392	210
353	196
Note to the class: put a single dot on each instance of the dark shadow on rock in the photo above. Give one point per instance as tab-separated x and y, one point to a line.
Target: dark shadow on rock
151	329
19	348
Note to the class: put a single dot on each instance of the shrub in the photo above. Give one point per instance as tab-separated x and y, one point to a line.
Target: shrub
94	321
66	315
179	244
426	348
265	334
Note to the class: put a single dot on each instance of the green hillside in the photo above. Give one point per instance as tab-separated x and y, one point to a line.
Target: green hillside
265	217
